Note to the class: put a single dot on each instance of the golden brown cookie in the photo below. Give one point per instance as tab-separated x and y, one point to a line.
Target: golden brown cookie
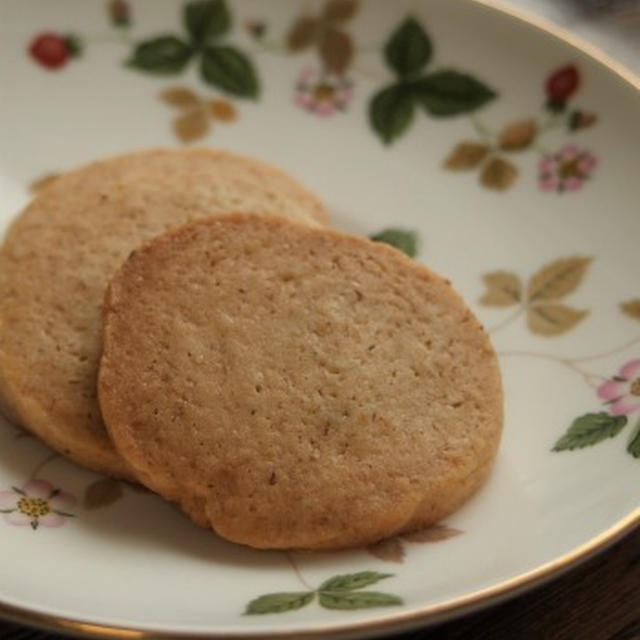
59	254
295	387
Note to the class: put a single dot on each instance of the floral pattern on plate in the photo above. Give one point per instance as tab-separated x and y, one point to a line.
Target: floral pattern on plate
202	41
37	503
540	299
558	146
342	592
621	397
326	89
566	169
322	93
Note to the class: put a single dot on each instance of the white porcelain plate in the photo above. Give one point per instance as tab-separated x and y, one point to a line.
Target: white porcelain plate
512	157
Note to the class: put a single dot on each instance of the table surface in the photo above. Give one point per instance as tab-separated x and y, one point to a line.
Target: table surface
613	26
597	600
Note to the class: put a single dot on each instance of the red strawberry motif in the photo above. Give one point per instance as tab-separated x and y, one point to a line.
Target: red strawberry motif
52	50
560	86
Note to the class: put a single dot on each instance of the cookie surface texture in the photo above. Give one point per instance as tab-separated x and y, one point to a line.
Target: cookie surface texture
294	387
59	254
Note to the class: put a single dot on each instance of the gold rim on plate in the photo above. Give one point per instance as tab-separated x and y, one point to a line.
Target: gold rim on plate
431	613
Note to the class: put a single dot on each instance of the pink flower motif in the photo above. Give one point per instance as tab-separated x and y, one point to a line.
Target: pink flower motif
322	93
36	503
622	392
566	170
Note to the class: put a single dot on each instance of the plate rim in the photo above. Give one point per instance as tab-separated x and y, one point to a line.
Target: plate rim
429	614
398	622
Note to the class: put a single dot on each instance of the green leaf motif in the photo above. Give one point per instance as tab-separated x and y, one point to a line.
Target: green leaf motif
349	600
406	241
163	55
279	602
228	69
449	93
352	581
206	20
590	429
634	444
408	49
391	112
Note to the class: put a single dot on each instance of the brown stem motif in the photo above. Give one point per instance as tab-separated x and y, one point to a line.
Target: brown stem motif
294	565
610	352
510	319
592	379
41	465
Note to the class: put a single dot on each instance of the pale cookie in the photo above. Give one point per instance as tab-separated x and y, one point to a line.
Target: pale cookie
295	387
60	253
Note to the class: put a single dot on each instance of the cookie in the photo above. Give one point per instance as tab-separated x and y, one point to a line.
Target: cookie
295	387
59	254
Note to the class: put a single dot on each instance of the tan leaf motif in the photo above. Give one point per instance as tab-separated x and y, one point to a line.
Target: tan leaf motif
432	534
503	289
557	279
340	10
631	308
20	433
466	155
553	319
302	34
222	110
42	181
102	493
498	174
518	135
390	550
137	488
192	125
336	50
180	97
